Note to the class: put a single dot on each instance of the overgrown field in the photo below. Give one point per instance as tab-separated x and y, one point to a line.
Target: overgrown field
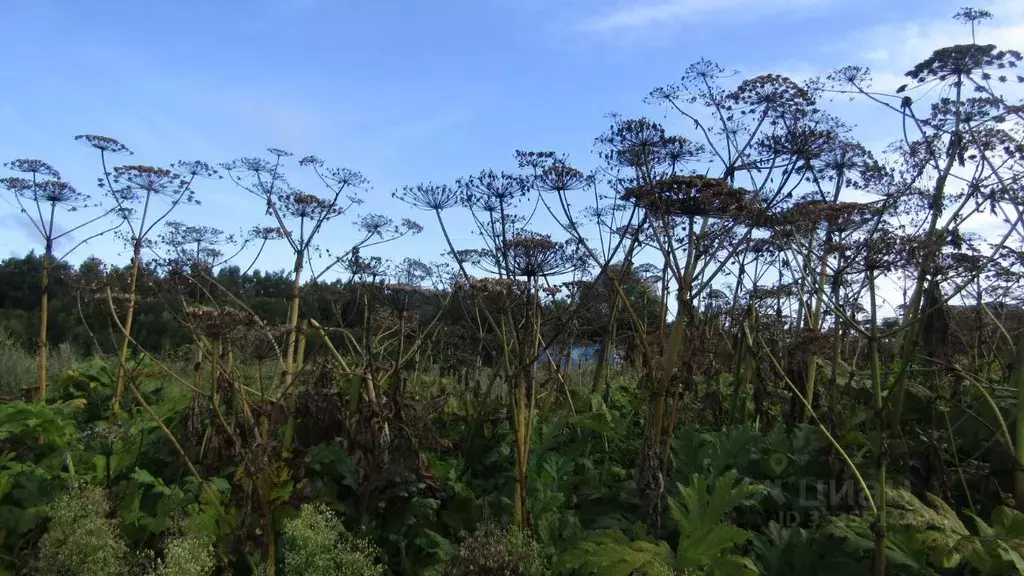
807	362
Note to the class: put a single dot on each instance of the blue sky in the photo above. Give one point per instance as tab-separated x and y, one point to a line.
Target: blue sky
404	91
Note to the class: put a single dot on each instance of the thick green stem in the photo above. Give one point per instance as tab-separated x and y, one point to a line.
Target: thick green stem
289	362
519	406
607	349
122	367
44	318
906	340
743	372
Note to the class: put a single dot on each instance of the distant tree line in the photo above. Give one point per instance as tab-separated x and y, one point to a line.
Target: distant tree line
81	297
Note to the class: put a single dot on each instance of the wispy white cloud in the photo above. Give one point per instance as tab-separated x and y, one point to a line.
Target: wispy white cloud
889	50
895	47
636	15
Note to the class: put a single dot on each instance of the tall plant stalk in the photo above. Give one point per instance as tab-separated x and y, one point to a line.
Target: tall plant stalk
46	191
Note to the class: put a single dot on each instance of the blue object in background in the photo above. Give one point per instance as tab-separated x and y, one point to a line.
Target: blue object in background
585	354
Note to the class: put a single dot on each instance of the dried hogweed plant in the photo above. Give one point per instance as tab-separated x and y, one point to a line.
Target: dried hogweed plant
39	196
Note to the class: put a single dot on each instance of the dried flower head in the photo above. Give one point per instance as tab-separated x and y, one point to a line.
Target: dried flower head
344	178
409	226
22	187
429	196
490	188
471	256
802	141
632	142
297	204
411	271
771	94
195	244
58	192
561	178
221	323
134	180
885	250
311	160
676	150
535	160
195	168
961	61
853	75
840	216
691	196
533	255
374	224
266	233
367	267
34	167
249	166
400	298
104	144
501	294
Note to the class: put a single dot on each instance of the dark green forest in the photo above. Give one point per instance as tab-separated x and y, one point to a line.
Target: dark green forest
801	358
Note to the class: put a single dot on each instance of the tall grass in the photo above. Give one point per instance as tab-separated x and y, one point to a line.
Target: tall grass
19	368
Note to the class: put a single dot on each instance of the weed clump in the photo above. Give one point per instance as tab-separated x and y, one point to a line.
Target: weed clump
316	544
187	555
494	551
80	539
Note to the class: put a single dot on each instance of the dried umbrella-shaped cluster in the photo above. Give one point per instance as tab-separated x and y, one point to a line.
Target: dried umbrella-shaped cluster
699	196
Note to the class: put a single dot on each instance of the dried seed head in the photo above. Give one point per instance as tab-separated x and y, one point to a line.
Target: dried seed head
298	204
249	165
399	298
34	167
537	255
535	160
374	224
196	168
561	178
501	294
773	93
490	189
131	180
59	192
692	196
55	192
632	142
429	196
961	61
103	144
841	216
266	233
18	185
221	323
345	178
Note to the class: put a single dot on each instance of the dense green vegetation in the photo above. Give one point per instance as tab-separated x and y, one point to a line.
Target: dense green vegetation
756	407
